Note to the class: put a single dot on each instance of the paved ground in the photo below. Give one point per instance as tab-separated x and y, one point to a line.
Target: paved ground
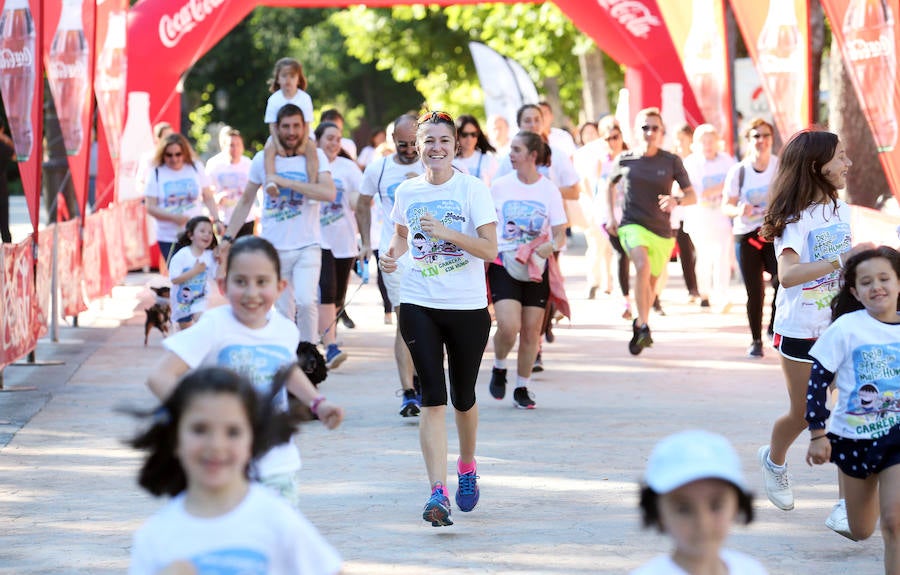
558	483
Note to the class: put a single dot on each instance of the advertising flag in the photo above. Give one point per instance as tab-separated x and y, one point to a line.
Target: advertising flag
506	85
111	71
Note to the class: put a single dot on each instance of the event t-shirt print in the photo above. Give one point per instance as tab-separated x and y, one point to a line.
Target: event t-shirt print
825	244
289	203
431	256
523	221
873	406
333	211
180	195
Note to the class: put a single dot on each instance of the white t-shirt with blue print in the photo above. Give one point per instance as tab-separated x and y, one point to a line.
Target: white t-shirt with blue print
754	191
177	192
218	338
337	219
191	297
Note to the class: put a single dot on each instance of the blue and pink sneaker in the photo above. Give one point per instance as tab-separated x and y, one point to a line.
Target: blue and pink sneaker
437	509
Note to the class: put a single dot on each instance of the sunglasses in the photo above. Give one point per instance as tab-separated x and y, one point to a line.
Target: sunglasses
173	155
760	136
649	128
613	138
468	134
435	117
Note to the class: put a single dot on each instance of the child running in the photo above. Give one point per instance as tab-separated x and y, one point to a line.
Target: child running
247	335
810	226
693	491
202	443
191	268
860	352
287	86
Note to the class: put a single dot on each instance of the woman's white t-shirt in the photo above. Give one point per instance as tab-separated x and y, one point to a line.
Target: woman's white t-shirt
440	274
277	101
864	355
290	221
482	166
263	535
191	297
755	192
736	562
525	211
179	192
220	339
705	219
821	234
230	181
337	219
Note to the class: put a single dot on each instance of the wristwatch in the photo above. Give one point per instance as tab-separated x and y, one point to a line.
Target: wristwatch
227	238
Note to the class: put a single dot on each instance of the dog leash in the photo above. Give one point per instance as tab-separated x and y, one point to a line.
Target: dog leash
347	300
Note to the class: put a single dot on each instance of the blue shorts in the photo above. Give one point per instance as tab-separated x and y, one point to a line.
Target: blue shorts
793	348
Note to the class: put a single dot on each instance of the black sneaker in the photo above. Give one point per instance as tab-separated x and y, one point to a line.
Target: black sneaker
498	383
704	302
640	340
548	335
538	364
346	321
755	351
410	407
657	307
522	399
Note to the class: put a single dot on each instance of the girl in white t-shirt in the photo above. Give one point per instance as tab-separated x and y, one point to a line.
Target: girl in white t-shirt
476	154
811	230
249	337
446	225
191	270
694	491
531	210
860	353
288	85
202	443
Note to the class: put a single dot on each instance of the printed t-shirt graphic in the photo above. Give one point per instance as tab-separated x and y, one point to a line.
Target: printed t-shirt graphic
877	393
523	221
825	244
231	562
258	363
333	211
179	196
289	203
431	256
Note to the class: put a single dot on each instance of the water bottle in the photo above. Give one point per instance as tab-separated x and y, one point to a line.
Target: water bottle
362	269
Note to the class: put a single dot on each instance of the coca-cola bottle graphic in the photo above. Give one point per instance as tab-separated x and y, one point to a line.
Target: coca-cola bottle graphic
110	81
780	59
870	50
137	142
68	74
17	73
704	62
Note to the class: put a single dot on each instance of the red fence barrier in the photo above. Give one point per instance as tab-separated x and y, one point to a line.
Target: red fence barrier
18	328
69	268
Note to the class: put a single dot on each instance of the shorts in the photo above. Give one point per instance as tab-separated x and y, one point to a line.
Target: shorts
793	348
529	294
659	249
185	319
861	458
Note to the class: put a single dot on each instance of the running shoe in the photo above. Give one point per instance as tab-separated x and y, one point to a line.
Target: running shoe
755	351
411	406
777	483
592	292
498	383
522	399
467	493
704	302
640	339
538	364
548	335
657	307
437	509
837	520
346	321
334	357
626	314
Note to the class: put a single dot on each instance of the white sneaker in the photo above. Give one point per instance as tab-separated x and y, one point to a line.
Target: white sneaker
837	520
778	485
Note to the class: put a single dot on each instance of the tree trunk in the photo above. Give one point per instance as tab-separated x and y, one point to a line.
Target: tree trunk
866	182
593	91
551	95
817	46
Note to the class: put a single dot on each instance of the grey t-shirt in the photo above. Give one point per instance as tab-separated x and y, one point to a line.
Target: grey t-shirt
644	178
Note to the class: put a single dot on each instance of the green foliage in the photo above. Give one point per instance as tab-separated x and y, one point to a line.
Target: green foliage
199	118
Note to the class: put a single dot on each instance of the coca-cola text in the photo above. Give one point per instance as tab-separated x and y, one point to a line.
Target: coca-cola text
173	28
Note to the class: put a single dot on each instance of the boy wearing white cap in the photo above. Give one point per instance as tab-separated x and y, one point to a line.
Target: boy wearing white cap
693	491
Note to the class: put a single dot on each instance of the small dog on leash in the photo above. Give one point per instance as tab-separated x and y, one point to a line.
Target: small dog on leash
159	314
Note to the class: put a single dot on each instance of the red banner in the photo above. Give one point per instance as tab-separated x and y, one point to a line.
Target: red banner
134	243
115	249
18	331
776	33
22	90
866	32
94	266
68	268
111	72
68	53
44	271
698	31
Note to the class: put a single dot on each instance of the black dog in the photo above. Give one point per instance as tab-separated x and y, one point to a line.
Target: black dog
159	314
311	362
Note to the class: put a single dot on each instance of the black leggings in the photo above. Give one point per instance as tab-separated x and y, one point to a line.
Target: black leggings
624	264
688	261
754	257
388	308
333	278
464	333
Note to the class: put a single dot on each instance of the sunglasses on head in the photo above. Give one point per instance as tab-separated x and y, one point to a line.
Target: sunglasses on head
435	117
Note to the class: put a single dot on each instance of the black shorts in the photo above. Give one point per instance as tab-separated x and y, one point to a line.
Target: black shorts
861	458
793	348
529	294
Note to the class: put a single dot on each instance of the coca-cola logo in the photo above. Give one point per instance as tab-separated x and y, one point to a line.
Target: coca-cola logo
10	59
634	15
173	28
771	64
862	49
61	70
110	83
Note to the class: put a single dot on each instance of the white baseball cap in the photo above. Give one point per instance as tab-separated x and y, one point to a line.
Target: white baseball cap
690	455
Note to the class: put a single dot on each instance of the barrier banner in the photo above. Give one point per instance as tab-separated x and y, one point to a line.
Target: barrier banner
69	62
115	250
698	32
18	334
134	235
94	266
776	33
69	267
44	270
865	31
22	90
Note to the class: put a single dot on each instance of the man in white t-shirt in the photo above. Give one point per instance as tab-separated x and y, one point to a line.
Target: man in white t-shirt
380	180
290	219
229	170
